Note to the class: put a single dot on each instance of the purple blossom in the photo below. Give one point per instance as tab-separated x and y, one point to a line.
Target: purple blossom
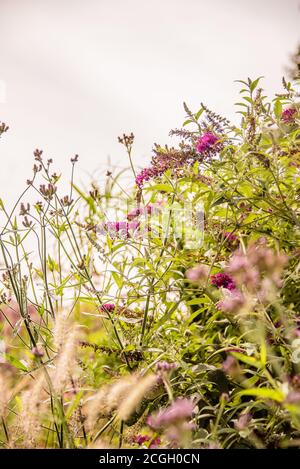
232	303
141	439
231	239
136	212
206	142
179	410
165	366
230	366
224	280
198	274
293	397
108	307
146	174
288	115
243	421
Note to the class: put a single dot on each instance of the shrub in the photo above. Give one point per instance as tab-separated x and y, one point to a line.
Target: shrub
176	323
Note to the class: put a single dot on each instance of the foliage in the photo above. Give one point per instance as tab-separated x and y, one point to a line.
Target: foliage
123	332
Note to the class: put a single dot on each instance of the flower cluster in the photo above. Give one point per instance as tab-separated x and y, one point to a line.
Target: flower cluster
223	280
141	439
258	268
206	142
198	274
180	410
165	366
288	115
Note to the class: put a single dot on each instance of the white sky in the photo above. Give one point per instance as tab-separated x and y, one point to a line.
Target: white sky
75	74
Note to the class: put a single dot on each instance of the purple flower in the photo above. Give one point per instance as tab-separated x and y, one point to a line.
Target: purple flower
288	115
179	410
293	397
243	421
198	274
206	142
165	366
224	280
37	352
136	212
146	174
108	307
141	439
230	366
232	303
121	228
231	239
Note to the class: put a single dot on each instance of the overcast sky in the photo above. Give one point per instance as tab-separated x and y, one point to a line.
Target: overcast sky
75	74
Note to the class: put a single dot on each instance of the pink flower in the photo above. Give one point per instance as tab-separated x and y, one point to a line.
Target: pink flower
141	439
178	411
223	280
206	142
108	307
243	421
165	366
232	303
121	228
288	115
230	366
136	212
198	274
231	239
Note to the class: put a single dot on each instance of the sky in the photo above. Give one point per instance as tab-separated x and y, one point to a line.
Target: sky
76	74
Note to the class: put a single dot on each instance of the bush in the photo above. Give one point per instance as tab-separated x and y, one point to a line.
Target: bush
176	323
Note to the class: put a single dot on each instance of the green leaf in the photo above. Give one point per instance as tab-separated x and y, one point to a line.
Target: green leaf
15	362
246	359
264	393
118	279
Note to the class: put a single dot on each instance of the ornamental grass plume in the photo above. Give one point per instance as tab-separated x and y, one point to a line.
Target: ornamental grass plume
4	395
30	417
136	394
60	329
108	399
66	362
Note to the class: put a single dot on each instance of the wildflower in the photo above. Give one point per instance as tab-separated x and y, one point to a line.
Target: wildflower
288	115
145	175
232	302
198	274
141	439
206	142
48	191
165	366
179	410
231	240
136	212
108	307
223	280
293	397
230	366
258	263
37	352
243	421
122	228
